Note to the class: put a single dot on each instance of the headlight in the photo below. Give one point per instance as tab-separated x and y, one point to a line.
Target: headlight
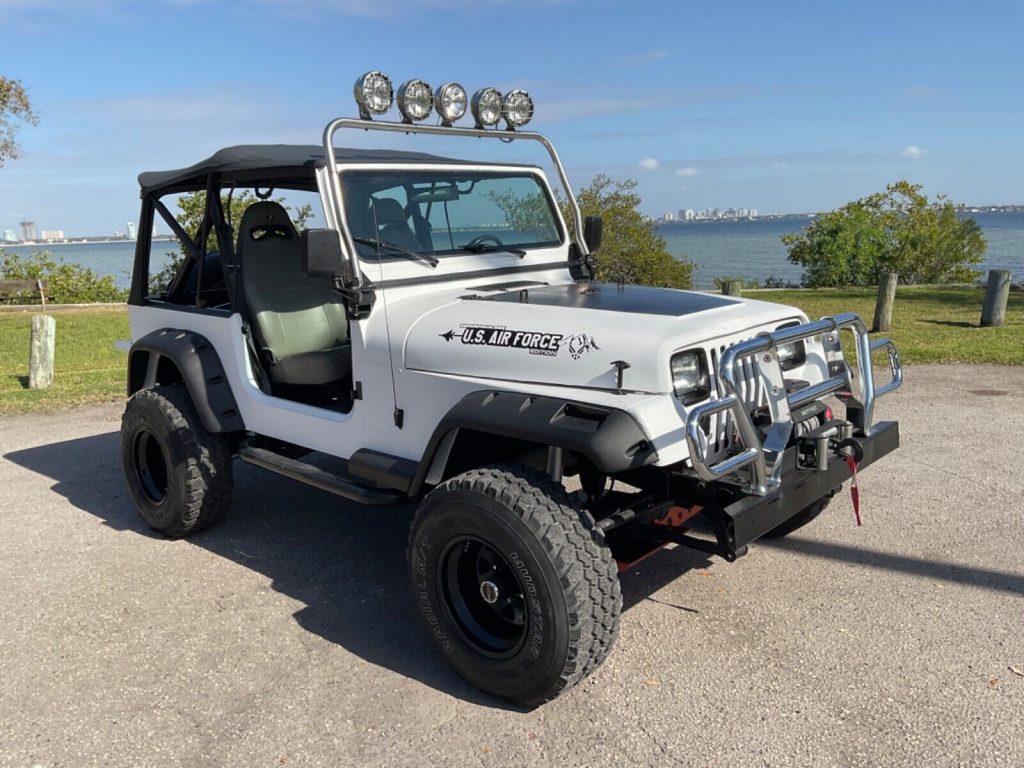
450	102
415	100
690	377
373	94
486	107
791	355
517	108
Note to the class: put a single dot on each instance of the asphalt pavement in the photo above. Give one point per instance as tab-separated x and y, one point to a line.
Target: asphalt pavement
287	635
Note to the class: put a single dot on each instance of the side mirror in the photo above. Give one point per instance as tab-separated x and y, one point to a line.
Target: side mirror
593	227
321	253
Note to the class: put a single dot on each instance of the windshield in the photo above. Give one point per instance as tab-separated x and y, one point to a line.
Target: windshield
448	212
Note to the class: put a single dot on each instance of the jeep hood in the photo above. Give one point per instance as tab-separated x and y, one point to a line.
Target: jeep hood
573	334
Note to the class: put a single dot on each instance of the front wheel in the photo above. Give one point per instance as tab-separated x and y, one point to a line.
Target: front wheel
516	588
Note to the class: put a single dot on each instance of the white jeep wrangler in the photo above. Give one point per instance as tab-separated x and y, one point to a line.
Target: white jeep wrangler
442	341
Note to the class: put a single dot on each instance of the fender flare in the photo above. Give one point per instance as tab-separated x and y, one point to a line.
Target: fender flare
200	368
609	437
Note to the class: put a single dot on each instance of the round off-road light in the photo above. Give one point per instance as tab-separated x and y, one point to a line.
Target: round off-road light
517	108
486	106
450	102
374	94
415	100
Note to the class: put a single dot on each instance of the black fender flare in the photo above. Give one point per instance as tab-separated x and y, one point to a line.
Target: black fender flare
609	437
200	368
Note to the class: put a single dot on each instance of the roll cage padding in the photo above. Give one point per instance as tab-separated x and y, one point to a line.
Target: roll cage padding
609	437
200	369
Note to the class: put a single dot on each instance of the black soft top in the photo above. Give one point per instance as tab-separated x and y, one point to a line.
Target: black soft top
291	164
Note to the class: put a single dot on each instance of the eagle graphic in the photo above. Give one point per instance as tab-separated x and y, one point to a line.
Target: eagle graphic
579	343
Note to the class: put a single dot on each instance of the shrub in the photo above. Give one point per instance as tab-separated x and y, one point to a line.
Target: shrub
65	283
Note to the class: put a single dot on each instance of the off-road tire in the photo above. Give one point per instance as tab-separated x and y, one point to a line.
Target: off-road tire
572	598
179	474
800	519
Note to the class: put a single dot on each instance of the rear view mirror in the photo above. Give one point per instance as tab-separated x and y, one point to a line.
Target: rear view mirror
593	227
321	253
444	193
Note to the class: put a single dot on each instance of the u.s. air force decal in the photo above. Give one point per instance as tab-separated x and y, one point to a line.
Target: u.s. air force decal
535	342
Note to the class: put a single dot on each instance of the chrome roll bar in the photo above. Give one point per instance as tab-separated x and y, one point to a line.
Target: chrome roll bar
336	197
765	459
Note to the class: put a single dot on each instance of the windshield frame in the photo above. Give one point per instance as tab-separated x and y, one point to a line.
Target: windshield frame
445	254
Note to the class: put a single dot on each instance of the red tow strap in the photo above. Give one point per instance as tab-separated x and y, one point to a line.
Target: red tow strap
854	490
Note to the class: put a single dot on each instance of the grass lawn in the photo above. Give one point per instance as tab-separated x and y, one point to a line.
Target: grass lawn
930	325
87	368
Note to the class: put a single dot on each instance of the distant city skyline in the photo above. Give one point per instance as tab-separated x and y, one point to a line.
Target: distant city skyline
782	107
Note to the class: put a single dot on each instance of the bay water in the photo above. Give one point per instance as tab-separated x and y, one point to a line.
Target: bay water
748	249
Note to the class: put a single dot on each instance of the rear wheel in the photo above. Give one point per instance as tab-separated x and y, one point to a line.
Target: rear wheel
513	583
179	475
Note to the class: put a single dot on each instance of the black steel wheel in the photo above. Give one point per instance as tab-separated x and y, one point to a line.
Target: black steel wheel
517	589
484	596
178	474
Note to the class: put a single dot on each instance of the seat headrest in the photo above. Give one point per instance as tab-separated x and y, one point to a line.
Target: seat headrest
265	218
387	210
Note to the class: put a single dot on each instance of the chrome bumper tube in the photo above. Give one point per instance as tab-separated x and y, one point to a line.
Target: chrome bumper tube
764	459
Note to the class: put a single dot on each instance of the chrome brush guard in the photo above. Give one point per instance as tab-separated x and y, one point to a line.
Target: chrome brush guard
764	459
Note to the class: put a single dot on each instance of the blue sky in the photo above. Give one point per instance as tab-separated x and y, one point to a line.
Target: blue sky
778	106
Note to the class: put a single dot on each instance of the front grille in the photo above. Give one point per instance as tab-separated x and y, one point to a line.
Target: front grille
720	429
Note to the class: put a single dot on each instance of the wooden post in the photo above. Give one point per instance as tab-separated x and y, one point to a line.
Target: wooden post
993	312
886	298
42	344
732	287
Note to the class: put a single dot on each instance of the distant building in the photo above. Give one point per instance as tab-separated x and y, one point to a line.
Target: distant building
53	235
130	229
669	216
688	215
753	213
9	236
28	230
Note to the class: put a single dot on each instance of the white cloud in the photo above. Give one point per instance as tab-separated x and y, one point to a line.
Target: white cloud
913	151
688	171
649	164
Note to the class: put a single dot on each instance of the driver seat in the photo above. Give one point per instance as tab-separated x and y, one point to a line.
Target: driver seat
298	322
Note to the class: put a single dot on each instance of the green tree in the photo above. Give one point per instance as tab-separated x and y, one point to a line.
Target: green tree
15	108
65	283
898	230
631	250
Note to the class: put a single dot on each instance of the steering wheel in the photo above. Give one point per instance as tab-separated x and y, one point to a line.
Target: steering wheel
482	240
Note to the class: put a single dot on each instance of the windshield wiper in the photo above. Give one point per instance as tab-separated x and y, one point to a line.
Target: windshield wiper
491	248
426	257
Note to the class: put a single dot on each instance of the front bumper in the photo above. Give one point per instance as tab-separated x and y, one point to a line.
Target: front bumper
753	516
721	519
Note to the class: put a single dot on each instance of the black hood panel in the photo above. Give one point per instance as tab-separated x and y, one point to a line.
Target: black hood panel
636	299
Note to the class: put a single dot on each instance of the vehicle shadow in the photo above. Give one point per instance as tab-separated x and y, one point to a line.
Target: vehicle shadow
345	563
